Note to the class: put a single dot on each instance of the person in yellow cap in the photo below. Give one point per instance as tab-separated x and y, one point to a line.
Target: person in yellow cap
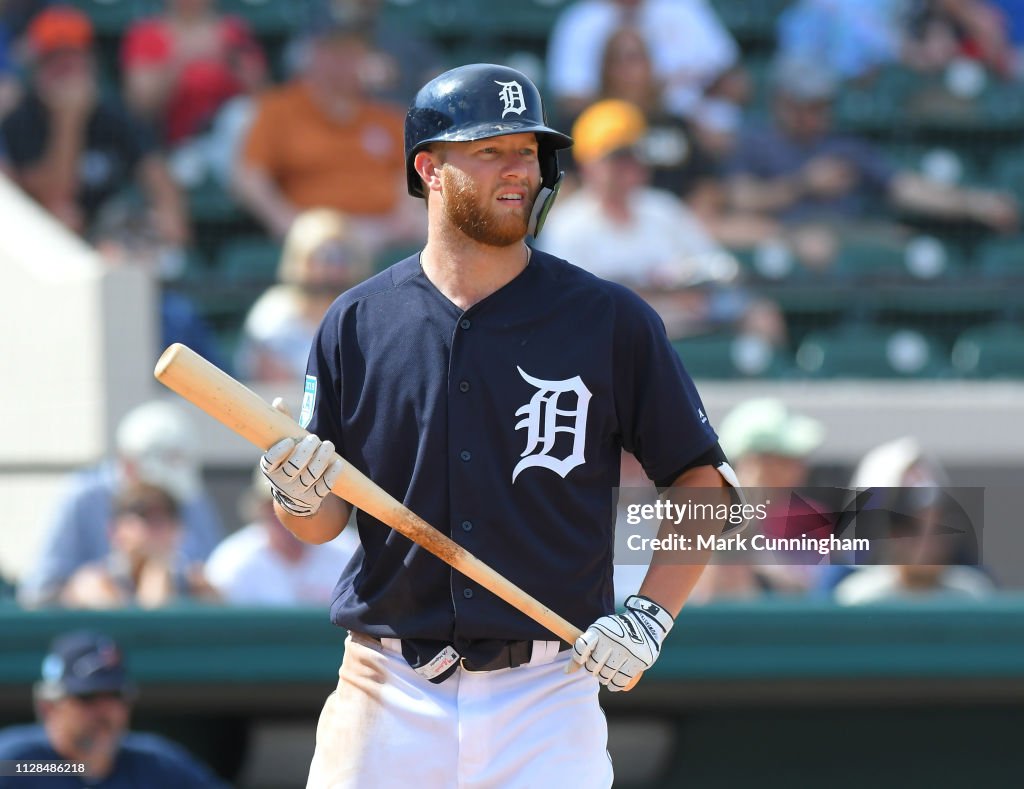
620	228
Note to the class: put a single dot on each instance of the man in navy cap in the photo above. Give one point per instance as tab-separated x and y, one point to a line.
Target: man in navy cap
84	702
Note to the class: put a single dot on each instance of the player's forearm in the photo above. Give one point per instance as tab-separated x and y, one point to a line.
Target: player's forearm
323	526
673	574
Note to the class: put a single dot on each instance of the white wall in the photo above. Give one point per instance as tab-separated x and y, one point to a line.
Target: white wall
77	347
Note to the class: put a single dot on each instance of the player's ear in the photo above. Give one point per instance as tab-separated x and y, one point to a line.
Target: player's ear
428	164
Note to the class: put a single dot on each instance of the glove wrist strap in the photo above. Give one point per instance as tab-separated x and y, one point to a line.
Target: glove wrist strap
646	606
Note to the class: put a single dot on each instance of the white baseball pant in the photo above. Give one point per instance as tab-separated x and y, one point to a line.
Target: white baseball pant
528	727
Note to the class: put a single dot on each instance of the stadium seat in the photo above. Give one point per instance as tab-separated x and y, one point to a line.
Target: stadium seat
1002	259
195	271
523	18
752	23
731	356
224	303
209	202
772	260
875	107
870	352
923	258
273	18
249	259
112	17
1008	172
1003	108
993	351
944	164
427	17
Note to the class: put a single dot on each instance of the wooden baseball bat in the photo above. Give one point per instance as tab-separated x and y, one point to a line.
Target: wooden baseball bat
184	371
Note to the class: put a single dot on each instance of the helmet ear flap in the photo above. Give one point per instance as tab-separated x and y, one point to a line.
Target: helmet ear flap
542	205
549	172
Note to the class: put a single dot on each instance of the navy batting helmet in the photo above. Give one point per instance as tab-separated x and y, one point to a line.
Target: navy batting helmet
476	102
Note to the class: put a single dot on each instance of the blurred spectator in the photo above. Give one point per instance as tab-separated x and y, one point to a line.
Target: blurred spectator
10	85
321	259
855	37
16	15
694	56
801	171
125	235
619	228
941	31
141	568
1013	19
919	557
769	444
70	148
265	564
321	141
156	443
851	38
684	158
179	67
83	703
400	61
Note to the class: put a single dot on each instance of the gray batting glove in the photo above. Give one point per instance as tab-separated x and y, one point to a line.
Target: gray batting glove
618	647
301	474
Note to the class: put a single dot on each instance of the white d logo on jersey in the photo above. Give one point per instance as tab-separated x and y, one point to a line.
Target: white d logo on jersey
512	97
540	420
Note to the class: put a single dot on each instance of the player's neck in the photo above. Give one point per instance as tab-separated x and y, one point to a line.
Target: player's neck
467	272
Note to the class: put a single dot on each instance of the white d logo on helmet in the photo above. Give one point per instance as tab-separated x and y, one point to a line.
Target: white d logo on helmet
512	97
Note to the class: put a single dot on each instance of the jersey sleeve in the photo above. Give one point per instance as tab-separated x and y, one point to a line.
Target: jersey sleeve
321	399
661	418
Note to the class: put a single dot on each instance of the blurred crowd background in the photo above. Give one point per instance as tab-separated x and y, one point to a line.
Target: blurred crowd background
803	188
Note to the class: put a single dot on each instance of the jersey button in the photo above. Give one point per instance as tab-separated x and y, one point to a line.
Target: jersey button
467	593
463	386
466	455
467	526
465	323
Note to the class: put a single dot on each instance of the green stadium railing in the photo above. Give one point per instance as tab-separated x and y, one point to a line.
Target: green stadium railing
774	693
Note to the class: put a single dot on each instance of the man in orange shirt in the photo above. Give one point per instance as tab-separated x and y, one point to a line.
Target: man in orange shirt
320	141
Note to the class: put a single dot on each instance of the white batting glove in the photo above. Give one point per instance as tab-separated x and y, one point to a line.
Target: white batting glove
617	648
301	474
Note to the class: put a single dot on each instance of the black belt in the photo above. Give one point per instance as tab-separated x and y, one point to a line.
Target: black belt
512	655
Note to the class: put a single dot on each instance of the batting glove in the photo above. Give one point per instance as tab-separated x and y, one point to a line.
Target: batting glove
301	474
619	647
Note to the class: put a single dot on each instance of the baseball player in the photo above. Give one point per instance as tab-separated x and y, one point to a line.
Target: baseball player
491	388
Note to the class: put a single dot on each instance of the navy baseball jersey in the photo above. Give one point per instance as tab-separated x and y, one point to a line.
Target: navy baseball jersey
502	426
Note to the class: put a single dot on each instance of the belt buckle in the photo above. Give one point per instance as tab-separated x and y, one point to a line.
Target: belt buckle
464	667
